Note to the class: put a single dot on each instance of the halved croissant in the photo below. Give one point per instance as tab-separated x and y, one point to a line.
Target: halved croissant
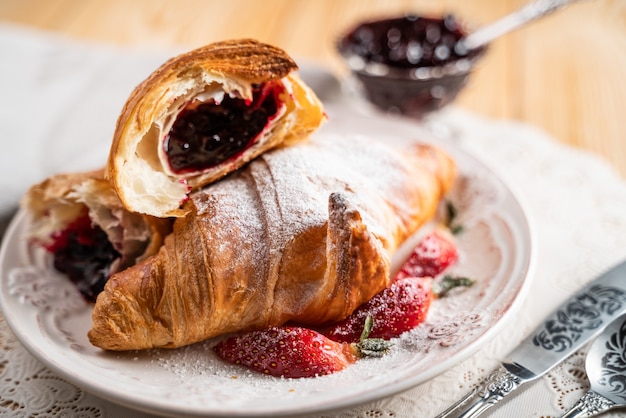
302	233
83	211
202	115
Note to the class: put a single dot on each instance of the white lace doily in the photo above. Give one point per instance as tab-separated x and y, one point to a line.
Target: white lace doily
575	202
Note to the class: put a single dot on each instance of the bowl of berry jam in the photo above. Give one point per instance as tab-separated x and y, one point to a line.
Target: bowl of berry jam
411	65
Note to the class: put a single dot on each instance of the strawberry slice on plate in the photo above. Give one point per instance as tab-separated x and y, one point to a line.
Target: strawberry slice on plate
432	256
295	352
397	309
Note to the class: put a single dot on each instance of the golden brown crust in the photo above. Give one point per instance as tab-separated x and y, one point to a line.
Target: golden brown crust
247	59
302	233
230	66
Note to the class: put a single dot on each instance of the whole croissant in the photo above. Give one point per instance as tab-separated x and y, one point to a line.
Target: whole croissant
303	234
203	114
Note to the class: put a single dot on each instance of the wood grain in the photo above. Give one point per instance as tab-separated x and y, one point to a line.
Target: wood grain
566	74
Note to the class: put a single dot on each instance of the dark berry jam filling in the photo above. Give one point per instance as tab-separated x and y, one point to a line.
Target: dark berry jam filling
83	252
207	134
407	42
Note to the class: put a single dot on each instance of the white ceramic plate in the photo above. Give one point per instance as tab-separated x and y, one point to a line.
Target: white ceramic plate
49	317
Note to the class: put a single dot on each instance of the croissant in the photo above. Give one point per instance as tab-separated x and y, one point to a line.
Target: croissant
202	115
302	234
81	221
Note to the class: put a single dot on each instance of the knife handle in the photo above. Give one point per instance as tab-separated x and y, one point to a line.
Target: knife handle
490	391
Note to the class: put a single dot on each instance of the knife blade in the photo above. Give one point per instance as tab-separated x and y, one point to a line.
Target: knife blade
578	320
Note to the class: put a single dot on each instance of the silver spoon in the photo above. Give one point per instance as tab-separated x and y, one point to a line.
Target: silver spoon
529	12
605	365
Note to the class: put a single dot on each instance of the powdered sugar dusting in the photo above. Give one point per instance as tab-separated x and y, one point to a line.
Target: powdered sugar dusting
293	185
328	164
233	206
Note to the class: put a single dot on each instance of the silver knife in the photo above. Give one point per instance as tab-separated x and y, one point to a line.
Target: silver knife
581	318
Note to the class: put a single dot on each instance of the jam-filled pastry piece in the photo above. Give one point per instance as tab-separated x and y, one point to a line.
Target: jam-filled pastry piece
302	233
202	115
80	220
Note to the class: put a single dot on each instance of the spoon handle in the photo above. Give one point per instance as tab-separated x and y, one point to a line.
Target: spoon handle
528	12
589	405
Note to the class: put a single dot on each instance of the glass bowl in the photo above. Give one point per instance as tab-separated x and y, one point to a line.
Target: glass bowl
412	64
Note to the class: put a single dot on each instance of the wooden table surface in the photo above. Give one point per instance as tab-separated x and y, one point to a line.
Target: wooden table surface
566	74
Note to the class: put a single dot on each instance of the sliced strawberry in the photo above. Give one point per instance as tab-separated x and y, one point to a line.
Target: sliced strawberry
397	309
434	254
293	352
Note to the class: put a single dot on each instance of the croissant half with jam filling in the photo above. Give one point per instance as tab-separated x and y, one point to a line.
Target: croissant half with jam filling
202	115
302	233
79	219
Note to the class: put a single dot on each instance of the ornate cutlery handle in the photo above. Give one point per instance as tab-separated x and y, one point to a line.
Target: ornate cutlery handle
589	405
491	390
